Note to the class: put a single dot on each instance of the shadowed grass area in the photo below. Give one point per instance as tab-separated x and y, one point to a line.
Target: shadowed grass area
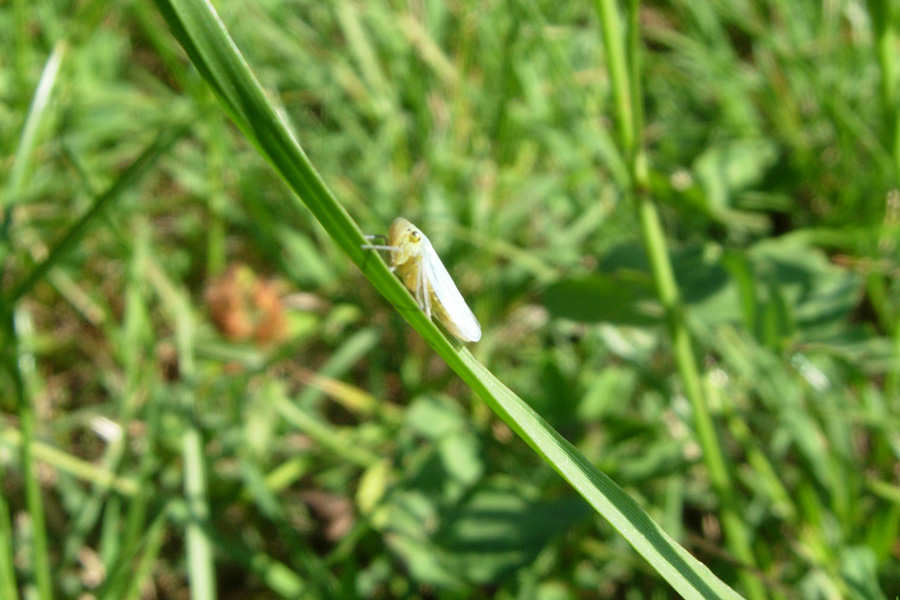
677	225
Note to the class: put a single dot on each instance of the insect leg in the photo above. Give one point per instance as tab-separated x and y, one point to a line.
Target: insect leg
380	247
419	290
425	293
419	299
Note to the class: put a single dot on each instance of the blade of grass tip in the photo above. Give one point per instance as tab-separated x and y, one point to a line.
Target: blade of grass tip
78	229
214	54
36	113
27	142
23	371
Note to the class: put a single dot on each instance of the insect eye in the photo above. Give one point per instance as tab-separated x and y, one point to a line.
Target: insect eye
414	235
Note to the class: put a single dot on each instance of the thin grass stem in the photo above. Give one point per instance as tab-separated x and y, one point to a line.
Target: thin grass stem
621	51
23	374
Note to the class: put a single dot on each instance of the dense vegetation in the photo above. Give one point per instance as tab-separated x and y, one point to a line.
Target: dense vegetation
677	223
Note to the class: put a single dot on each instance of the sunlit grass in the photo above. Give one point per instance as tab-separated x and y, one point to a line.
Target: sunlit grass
293	435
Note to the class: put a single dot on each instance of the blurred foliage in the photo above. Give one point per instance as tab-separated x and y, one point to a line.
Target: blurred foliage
343	458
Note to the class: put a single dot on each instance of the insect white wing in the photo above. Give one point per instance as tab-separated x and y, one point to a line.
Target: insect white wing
413	258
448	295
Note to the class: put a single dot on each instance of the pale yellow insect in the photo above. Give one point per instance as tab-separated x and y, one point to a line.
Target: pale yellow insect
413	258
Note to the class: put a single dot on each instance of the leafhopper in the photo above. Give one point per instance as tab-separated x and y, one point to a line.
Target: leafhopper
420	268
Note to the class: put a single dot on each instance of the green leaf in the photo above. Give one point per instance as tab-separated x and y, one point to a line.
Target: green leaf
728	168
603	298
816	295
485	539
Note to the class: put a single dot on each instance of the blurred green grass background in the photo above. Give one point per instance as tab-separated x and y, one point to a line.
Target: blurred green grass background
188	310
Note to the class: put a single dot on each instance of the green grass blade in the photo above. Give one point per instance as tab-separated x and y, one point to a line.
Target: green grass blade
27	141
883	14
687	575
143	569
200	559
78	229
29	137
198	546
201	568
23	373
65	462
276	575
201	33
7	569
884	22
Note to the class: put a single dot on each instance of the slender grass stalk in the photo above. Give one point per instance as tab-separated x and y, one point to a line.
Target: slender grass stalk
883	22
200	558
634	71
611	24
627	98
7	569
23	372
201	566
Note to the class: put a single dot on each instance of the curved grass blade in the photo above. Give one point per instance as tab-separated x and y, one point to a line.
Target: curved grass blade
203	36
80	227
